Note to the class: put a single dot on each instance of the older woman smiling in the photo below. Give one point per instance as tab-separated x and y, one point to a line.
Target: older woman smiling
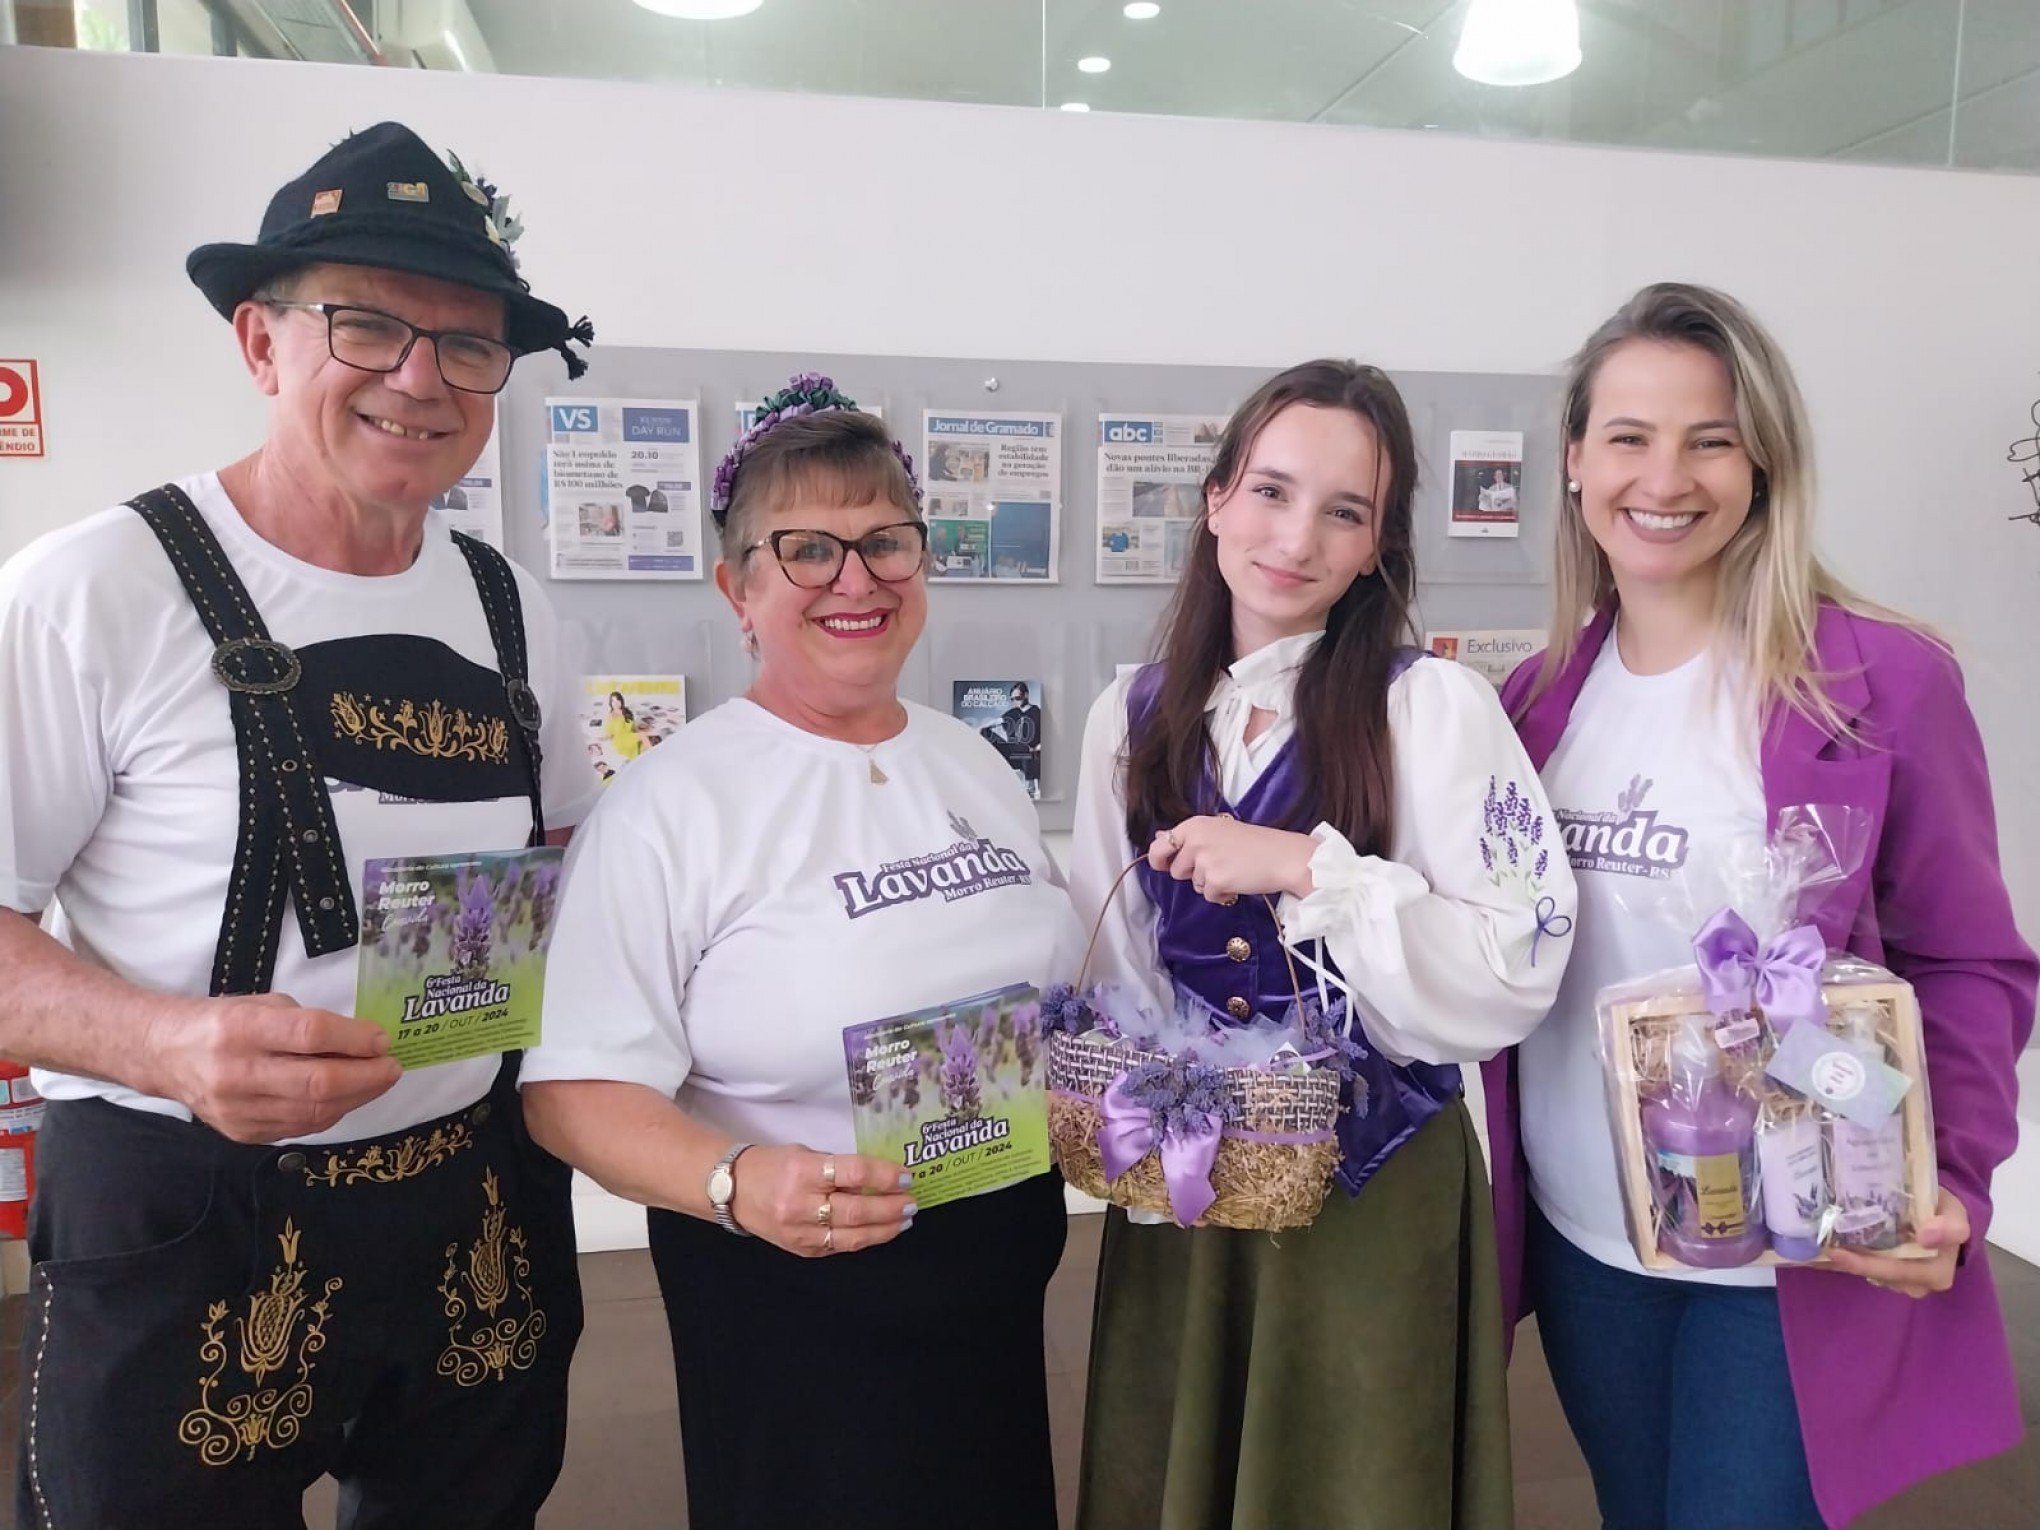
719	931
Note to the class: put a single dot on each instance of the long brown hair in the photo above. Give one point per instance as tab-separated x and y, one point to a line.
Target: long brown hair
1342	690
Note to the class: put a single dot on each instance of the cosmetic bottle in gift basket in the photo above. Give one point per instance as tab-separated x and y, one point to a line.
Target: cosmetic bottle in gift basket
1770	1101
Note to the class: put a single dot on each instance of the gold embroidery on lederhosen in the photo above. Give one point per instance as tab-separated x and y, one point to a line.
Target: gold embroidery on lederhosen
235	1426
412	1156
498	1275
433	730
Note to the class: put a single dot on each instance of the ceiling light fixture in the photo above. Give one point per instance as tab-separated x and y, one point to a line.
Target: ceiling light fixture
1518	42
1076	106
1095	64
1143	10
702	10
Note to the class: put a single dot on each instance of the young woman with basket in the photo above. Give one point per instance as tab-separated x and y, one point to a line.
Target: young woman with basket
1289	770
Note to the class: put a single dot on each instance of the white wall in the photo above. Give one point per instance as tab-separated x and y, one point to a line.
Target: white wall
693	217
752	221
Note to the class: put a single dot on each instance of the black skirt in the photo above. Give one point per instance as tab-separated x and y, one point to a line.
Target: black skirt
895	1387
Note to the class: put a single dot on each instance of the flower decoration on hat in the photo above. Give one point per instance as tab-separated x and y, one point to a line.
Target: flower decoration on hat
805	393
502	226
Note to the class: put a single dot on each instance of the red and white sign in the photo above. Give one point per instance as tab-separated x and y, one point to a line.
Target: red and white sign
21	432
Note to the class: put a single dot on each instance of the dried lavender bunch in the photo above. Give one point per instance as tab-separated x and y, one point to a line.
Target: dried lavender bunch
1181	1095
1064	1009
1325	1030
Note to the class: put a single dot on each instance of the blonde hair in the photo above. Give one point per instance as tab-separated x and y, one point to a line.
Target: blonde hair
1769	581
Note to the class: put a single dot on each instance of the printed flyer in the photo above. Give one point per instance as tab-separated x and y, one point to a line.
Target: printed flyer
1487	478
993	489
956	1092
1007	715
623	488
624	715
1151	472
1495	652
452	959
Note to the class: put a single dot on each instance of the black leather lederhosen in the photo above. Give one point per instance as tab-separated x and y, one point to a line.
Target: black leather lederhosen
213	1326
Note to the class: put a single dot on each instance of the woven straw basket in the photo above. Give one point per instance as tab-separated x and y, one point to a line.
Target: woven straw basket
1261	1185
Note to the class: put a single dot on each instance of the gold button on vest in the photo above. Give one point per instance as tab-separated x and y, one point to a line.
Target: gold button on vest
1238	949
1238	1008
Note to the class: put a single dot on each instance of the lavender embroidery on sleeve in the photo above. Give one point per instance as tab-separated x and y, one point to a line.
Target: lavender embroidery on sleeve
1514	855
1512	830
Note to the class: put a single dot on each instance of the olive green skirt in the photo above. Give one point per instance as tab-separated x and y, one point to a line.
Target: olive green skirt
1348	1374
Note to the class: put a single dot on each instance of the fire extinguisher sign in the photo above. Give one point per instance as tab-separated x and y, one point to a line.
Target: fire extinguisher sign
21	430
21	1110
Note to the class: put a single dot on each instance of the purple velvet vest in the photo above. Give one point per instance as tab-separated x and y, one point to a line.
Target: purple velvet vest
1231	959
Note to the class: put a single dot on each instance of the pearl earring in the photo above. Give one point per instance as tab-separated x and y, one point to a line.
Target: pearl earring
1572	486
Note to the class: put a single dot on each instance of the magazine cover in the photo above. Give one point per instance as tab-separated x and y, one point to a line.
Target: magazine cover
1487	483
1007	715
955	1092
624	715
453	951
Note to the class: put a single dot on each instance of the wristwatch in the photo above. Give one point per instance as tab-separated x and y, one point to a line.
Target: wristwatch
722	1188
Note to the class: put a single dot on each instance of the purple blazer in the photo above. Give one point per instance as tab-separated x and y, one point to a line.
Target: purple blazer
1889	1389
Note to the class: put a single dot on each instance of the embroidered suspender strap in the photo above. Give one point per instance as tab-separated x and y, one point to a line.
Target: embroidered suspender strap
504	608
288	842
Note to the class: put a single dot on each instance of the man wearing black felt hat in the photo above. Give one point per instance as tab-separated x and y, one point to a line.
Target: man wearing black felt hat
263	1251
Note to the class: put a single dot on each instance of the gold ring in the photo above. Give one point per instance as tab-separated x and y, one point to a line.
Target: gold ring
1228	900
829	1171
822	1213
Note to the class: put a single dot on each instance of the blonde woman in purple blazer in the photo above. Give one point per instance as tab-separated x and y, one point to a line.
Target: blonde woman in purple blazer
1704	672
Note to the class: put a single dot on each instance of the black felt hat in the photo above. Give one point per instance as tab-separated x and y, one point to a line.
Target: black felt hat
382	198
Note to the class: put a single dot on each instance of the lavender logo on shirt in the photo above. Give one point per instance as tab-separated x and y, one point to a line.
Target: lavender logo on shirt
973	864
1630	841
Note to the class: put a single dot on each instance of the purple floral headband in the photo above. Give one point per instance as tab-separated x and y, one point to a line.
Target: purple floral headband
806	393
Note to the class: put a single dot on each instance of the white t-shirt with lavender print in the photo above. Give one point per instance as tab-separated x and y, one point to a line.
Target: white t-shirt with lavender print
1650	766
747	889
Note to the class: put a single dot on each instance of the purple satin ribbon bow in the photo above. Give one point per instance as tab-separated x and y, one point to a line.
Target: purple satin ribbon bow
1127	1133
1782	977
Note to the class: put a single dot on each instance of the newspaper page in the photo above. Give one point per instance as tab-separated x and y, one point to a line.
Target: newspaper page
1151	493
1494	651
1487	478
623	488
475	504
993	491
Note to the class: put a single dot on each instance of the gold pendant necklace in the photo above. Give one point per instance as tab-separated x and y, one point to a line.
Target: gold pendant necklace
878	777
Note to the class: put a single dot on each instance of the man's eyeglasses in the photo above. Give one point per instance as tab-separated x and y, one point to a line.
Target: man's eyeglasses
813	559
371	341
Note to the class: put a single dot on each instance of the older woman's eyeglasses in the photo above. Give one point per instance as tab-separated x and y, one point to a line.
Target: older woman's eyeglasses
813	559
371	341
